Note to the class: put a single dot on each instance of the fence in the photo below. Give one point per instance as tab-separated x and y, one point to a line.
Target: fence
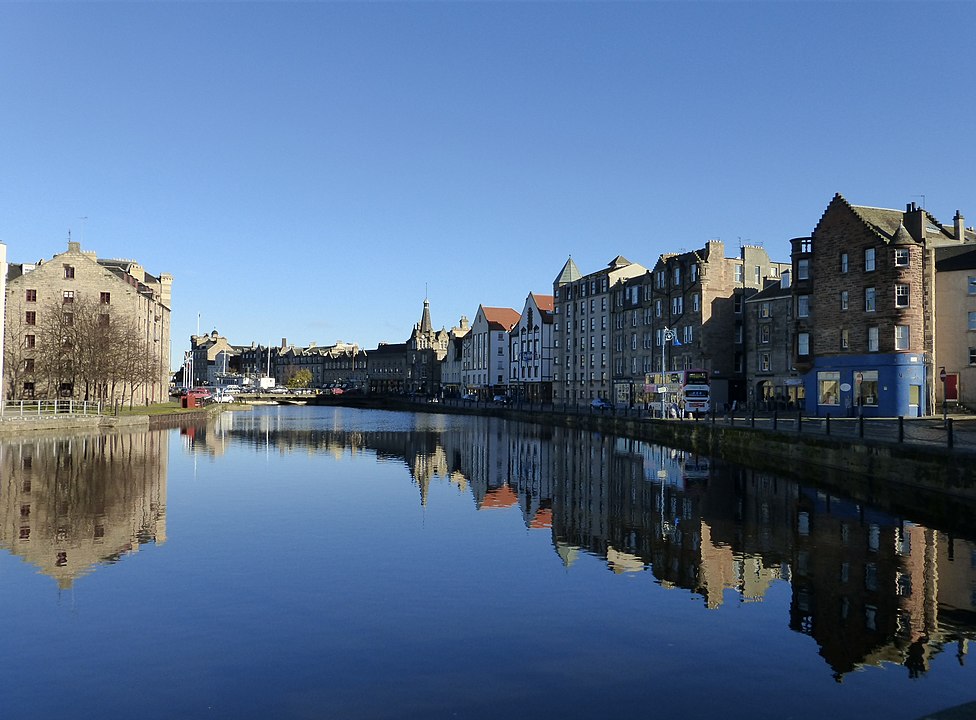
932	431
50	408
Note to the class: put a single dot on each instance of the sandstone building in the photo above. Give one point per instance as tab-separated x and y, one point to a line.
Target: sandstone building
57	309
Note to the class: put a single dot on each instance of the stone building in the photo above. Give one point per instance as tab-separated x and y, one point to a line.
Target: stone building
864	299
773	381
426	348
342	364
696	299
212	358
955	324
386	368
76	301
581	329
453	363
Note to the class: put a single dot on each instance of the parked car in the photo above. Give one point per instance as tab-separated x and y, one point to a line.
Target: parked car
501	399
601	404
469	396
223	398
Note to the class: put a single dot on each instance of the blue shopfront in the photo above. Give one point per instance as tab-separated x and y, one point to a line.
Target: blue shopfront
870	385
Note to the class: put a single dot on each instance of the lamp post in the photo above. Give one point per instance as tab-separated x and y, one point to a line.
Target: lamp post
666	336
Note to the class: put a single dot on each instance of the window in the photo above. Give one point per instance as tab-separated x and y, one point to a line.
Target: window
32	295
971	285
803	306
902	337
764	310
803	269
803	344
972	356
677	275
657	308
901	257
869	299
677	305
30	317
689	334
28	389
869	264
828	385
763	362
737	304
843	262
696	302
901	296
693	272
764	334
29	365
739	273
68	296
845	339
972	320
844	302
105	298
872	339
866	392
69	272
29	341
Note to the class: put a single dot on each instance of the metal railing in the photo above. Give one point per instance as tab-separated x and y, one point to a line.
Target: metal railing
52	408
932	430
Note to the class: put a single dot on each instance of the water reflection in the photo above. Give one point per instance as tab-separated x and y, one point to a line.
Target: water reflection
71	504
869	587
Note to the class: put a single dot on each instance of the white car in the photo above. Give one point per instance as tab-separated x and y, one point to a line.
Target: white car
223	398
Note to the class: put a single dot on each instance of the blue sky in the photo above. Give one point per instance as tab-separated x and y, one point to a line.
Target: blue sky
310	170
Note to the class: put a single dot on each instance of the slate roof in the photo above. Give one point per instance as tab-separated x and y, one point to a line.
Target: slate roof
773	291
960	257
569	273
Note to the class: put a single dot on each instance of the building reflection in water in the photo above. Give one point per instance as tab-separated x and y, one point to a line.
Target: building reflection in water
70	504
869	587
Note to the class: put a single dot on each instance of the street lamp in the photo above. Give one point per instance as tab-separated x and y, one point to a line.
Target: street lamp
666	337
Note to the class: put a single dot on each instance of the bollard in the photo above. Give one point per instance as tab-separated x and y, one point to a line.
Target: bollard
901	428
949	439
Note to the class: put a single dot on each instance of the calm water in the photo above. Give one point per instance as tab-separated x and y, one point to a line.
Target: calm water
333	563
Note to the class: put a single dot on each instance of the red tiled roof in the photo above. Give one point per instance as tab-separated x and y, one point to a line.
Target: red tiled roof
502	497
501	318
545	302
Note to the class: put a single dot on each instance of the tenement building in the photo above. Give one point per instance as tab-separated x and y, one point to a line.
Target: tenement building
581	329
687	313
87	329
955	322
864	299
773	381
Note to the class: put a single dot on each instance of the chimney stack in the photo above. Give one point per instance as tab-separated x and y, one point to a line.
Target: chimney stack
960	226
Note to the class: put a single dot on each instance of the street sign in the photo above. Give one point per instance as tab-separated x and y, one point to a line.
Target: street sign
942	374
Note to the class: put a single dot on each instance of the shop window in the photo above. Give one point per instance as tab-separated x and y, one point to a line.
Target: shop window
828	388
